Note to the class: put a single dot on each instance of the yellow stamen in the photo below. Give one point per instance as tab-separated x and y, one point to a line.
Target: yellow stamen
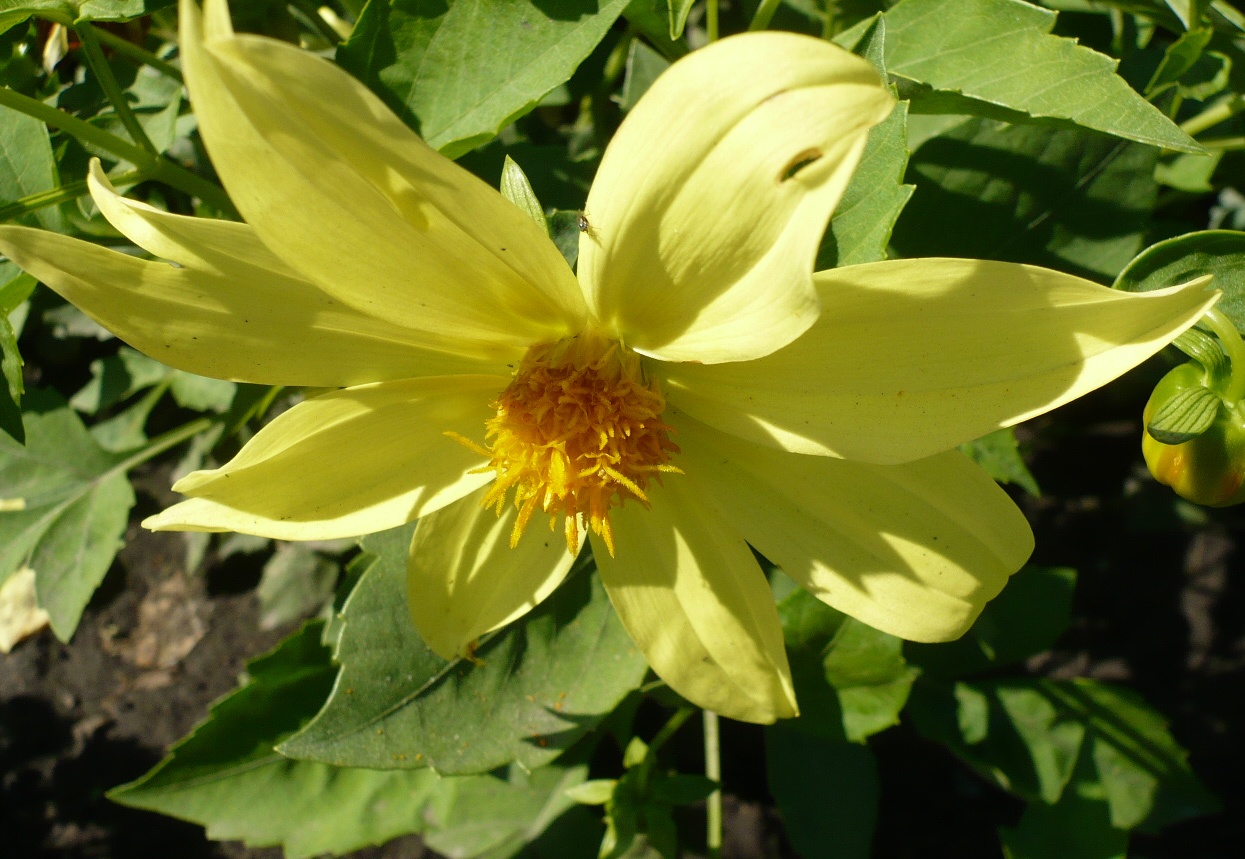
577	432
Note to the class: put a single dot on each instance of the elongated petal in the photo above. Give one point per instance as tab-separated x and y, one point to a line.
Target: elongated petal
344	193
693	598
915	550
912	357
233	322
463	579
345	463
706	214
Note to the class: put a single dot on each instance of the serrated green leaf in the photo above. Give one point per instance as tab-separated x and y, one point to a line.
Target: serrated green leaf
1002	53
1024	620
69	504
860	230
1077	827
827	792
1066	199
544	681
1216	252
92	10
851	680
517	189
457	83
226	776
999	455
1185	416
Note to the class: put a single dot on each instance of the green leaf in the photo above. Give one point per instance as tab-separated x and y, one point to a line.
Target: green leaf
827	792
517	189
1025	619
295	582
70	504
1188	172
861	228
226	776
644	65
999	455
680	788
27	166
1002	53
543	682
118	377
93	10
13	388
1077	827
1185	416
1066	199
1217	252
850	679
1180	57
459	83
678	16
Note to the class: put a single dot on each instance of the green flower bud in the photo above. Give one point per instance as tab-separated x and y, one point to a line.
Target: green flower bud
1209	467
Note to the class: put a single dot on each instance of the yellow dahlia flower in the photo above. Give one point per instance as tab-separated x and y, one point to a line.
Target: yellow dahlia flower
696	390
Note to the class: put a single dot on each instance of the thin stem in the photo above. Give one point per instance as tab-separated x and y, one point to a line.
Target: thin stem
161	443
830	25
63	194
1230	340
713	770
155	168
1224	144
764	13
128	49
711	19
668	730
107	80
1213	115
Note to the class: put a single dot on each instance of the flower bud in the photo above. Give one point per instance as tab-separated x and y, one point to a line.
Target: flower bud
1209	467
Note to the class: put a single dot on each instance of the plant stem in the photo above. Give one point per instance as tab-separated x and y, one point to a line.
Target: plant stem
713	770
161	443
63	194
1213	115
663	736
711	19
107	80
1224	144
765	12
153	166
128	49
1230	340
312	14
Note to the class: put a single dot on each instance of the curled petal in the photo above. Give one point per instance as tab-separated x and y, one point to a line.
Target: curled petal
464	580
913	357
706	214
916	550
693	598
345	463
344	193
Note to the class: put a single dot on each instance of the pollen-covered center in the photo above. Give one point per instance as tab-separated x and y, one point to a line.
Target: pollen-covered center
577	431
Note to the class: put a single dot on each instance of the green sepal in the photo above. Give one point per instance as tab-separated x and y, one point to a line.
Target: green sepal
1204	349
1185	416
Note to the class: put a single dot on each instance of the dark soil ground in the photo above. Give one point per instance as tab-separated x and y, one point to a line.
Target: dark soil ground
1160	607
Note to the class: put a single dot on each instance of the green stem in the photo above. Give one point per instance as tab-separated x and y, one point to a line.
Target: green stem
713	770
765	12
107	80
1230	340
131	51
154	167
1213	115
161	443
63	194
711	19
1224	144
830	26
663	736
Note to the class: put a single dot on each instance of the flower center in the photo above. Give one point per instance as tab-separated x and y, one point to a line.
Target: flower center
577	432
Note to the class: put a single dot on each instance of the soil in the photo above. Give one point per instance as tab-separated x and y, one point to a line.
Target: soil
1160	606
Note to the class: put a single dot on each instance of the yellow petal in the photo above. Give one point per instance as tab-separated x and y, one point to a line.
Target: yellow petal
915	550
463	579
702	232
693	598
345	463
344	193
913	357
228	321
